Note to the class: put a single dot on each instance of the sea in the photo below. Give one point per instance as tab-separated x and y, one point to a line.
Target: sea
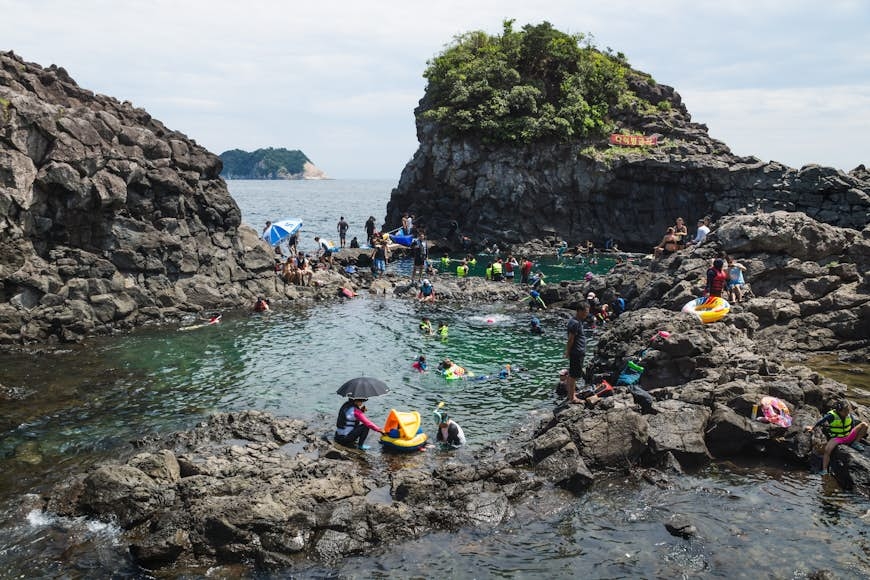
86	403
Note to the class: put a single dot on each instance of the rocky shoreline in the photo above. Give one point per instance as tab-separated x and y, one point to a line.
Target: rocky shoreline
250	487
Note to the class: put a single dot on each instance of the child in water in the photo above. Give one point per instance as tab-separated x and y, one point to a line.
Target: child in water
442	330
426	326
420	364
536	327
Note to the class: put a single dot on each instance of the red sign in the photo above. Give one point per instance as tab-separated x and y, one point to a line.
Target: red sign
633	140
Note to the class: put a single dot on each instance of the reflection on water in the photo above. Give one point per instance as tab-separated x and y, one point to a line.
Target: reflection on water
854	375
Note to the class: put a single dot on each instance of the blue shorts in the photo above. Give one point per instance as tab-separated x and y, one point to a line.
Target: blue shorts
380	265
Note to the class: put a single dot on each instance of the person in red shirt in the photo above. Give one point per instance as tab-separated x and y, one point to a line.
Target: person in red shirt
716	279
525	271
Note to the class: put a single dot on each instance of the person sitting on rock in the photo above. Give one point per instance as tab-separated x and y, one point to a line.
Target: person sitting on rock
462	269
427	292
498	270
261	305
841	428
668	245
537	280
734	285
681	233
354	243
352	426
449	433
700	235
305	272
716	278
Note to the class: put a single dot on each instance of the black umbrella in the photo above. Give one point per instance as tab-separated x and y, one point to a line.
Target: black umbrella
363	388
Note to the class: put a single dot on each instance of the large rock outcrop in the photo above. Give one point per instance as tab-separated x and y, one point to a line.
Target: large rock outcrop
589	190
108	218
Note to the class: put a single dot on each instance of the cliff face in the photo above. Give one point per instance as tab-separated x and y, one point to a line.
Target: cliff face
107	217
588	189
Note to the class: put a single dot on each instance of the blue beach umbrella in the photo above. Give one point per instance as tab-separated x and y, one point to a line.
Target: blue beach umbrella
282	229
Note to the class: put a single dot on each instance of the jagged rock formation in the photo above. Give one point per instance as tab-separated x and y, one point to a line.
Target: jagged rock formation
108	218
280	494
269	163
589	190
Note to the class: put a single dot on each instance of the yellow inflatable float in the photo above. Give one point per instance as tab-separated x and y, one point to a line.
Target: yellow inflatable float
402	432
707	309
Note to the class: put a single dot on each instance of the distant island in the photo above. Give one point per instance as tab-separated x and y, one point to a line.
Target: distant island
269	163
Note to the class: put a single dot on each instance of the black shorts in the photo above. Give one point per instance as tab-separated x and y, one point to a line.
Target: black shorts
418	261
575	365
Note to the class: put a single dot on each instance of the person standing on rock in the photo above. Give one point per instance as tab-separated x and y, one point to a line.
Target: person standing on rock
420	254
342	227
510	268
525	271
352	426
716	279
379	259
575	350
841	428
370	229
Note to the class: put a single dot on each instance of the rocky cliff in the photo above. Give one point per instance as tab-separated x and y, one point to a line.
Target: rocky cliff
107	217
587	189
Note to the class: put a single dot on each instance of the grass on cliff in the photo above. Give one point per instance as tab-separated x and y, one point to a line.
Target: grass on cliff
537	83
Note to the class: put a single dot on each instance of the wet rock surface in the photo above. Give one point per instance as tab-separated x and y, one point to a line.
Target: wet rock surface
250	487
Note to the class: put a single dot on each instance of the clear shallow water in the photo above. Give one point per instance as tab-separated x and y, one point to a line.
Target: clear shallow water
752	522
88	402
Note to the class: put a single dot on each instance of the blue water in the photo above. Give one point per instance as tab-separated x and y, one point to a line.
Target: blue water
90	401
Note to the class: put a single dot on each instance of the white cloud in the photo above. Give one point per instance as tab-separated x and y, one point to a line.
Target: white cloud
795	126
266	72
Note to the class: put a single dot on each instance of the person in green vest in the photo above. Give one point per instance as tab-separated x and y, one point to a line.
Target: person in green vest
497	270
489	272
426	326
442	330
841	428
462	269
445	263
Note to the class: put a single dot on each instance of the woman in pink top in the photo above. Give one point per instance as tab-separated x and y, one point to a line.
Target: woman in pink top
352	426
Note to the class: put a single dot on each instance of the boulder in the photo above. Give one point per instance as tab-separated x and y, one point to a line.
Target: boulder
124	492
728	433
679	428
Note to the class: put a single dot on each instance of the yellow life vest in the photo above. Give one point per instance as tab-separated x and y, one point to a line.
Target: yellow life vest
461	271
496	268
839	427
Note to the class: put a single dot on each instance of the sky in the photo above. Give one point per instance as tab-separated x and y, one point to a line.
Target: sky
783	80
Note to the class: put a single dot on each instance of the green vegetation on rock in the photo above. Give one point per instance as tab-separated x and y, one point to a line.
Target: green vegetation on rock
533	84
269	163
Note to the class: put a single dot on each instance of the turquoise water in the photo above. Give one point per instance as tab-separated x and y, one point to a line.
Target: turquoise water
89	401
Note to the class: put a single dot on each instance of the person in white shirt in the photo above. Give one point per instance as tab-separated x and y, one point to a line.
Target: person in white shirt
701	234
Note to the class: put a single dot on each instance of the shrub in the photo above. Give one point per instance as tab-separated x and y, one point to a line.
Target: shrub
521	86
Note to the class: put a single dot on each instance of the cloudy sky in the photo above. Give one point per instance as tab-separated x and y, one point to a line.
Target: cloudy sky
783	80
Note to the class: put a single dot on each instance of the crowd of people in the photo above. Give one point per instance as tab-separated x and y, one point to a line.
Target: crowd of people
725	278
